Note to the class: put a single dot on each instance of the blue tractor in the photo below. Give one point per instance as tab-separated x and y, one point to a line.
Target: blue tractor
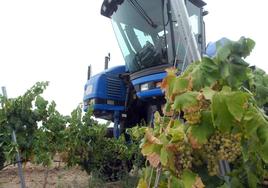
152	35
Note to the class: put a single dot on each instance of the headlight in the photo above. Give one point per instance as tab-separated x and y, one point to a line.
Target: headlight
91	102
110	102
89	89
144	87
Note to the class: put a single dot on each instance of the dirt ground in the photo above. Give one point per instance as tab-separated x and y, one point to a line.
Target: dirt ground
35	177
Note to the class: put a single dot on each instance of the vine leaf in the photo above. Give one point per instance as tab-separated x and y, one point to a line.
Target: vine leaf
142	183
175	182
188	178
176	132
181	85
151	138
194	143
185	100
164	156
168	82
228	107
262	133
204	74
264	151
223	119
236	103
203	131
208	93
154	159
198	183
253	180
223	52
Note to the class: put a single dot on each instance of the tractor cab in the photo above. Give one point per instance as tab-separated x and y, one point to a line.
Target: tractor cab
152	35
151	39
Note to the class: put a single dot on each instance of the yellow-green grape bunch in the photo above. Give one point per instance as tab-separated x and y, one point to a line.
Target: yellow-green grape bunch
211	155
230	147
183	158
221	146
192	114
212	166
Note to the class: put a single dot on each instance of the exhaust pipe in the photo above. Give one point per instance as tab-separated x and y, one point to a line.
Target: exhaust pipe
89	72
106	61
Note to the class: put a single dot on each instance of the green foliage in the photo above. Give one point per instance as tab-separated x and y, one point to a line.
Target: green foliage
21	115
221	101
260	86
43	133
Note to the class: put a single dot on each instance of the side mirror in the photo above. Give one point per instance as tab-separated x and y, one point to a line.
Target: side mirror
204	13
109	7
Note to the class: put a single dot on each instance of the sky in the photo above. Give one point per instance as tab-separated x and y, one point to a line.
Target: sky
56	40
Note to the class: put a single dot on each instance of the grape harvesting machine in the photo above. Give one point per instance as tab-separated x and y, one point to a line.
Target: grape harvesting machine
152	35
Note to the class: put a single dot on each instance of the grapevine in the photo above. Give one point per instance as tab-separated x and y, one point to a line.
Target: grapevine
43	133
223	102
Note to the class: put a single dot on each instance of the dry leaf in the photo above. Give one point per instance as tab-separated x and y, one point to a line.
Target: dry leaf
198	183
154	159
193	141
151	138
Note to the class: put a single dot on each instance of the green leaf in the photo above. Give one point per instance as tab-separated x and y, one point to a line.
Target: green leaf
176	132
262	132
175	183
243	47
164	156
149	148
205	73
168	82
260	86
223	52
264	152
236	183
238	73
236	103
185	100
40	102
188	178
253	180
180	85
203	131
223	119
142	183
208	93
252	120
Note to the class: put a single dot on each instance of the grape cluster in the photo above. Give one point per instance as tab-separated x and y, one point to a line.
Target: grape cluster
222	146
192	114
183	158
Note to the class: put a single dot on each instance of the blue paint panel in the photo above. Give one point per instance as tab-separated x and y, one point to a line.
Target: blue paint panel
105	107
150	93
108	107
150	78
106	85
98	84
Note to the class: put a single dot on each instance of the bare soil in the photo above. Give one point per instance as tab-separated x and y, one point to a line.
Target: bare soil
58	177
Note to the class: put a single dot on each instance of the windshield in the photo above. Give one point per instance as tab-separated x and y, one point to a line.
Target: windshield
144	34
